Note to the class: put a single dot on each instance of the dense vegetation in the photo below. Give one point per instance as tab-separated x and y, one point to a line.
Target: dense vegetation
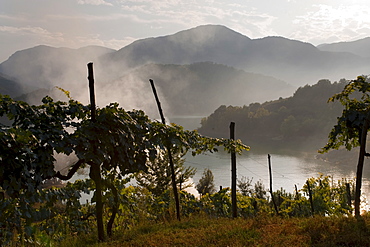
302	121
256	231
141	212
110	142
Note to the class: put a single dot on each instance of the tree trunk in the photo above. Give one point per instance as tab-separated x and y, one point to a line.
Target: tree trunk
114	208
360	166
95	175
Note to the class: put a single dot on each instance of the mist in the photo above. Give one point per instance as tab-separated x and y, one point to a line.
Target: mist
195	71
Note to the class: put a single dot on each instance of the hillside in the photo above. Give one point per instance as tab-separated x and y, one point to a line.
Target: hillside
293	61
10	87
45	67
359	47
300	122
195	89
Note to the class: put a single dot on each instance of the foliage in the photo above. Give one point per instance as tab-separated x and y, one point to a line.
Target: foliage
206	184
304	119
244	185
352	127
157	177
67	216
355	99
118	143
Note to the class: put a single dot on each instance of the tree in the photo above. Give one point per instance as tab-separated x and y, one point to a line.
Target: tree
352	127
116	144
245	186
157	177
259	190
205	184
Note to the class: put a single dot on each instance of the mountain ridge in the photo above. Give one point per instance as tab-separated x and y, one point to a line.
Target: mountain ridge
288	61
359	47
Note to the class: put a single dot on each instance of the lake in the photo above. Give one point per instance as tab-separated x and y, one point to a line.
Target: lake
288	169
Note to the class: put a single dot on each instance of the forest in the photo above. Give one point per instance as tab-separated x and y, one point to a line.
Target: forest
300	122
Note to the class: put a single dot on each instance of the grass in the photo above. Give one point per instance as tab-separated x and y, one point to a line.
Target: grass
259	231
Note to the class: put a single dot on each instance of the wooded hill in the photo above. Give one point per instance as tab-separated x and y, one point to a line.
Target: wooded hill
300	122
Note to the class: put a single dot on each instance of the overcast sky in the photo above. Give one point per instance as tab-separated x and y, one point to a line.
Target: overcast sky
116	23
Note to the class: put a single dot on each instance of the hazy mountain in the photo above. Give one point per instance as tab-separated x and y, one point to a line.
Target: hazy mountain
123	75
195	89
205	43
359	47
296	62
11	87
44	67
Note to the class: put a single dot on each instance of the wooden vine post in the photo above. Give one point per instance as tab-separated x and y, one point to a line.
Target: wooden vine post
95	170
233	174
271	191
172	167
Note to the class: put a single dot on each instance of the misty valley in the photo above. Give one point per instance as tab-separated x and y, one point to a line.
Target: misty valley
58	145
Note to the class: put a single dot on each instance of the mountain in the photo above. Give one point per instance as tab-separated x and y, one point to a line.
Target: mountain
196	69
44	66
205	43
295	62
11	87
195	89
359	47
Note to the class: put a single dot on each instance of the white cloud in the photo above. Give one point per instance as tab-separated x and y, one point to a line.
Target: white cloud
327	22
94	2
29	31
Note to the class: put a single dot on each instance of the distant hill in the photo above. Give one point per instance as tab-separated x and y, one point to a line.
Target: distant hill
302	121
44	66
359	47
295	62
11	87
192	89
210	64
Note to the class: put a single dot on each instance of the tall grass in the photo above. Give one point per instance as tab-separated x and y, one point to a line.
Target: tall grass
262	230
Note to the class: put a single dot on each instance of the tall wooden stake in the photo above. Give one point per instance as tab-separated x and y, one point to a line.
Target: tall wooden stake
173	175
360	167
92	91
233	173
271	192
95	172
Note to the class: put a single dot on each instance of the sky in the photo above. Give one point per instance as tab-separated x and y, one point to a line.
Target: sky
117	23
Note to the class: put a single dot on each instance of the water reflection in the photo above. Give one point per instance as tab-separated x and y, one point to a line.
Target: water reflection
287	170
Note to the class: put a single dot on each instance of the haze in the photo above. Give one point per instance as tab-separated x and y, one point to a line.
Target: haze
116	23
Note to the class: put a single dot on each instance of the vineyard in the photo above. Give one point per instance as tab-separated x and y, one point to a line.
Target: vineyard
63	214
37	206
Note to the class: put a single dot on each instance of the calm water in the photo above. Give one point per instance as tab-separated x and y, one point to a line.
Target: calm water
288	170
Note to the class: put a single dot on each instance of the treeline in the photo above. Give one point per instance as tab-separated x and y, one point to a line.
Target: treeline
302	121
